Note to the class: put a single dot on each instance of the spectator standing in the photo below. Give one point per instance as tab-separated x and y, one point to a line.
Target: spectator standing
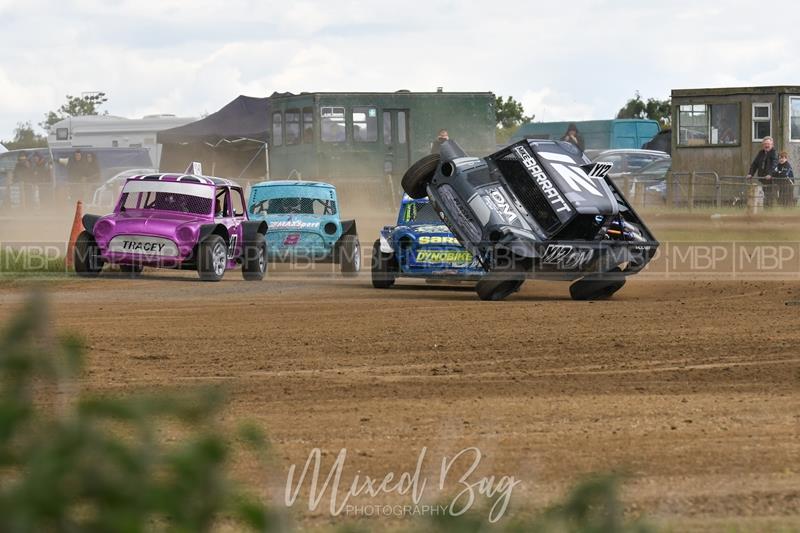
440	139
42	179
784	176
764	166
92	168
77	175
573	136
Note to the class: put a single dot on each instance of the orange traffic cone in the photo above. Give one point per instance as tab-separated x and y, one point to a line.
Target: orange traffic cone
77	228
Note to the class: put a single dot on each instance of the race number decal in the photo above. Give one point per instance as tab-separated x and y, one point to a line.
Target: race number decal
232	246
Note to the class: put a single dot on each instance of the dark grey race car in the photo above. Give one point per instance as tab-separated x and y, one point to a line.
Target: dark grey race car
536	209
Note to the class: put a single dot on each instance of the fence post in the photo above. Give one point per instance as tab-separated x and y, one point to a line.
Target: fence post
690	193
717	191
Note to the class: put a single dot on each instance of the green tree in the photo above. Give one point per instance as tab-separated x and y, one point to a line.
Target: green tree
509	114
653	109
25	137
76	106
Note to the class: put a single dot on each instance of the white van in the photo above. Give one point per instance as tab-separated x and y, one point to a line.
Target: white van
108	131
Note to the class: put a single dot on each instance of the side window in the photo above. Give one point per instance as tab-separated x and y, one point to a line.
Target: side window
762	121
615	160
277	129
332	125
365	124
387	128
635	162
401	127
221	207
237	198
292	127
308	125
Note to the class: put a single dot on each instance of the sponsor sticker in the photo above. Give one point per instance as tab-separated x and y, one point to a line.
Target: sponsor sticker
291	239
502	206
436	239
293	224
140	245
543	181
566	256
444	256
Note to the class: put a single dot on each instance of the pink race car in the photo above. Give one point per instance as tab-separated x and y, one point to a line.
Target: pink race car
184	221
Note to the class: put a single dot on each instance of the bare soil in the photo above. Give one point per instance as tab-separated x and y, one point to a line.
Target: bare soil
691	387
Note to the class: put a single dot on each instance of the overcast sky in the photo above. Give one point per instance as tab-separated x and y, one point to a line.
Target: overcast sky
564	59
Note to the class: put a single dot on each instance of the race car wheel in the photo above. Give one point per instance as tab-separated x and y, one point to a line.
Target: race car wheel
596	287
212	258
497	289
133	271
384	267
254	262
86	256
350	255
416	179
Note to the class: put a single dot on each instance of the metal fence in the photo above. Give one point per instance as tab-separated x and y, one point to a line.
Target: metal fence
692	190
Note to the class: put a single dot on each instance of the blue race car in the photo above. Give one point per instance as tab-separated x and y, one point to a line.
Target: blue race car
304	223
420	246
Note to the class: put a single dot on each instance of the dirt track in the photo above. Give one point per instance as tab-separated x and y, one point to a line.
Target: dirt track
692	387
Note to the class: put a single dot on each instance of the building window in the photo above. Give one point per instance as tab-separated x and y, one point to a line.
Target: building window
708	124
794	119
401	127
387	128
308	125
332	124
762	121
292	126
277	129
365	124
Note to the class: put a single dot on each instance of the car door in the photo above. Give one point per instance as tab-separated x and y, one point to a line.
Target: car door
238	217
223	214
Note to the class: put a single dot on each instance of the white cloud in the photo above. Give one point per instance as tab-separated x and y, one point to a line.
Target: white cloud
577	60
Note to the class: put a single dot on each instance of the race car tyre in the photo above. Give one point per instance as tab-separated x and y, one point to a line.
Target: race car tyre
132	271
596	287
350	255
416	179
505	278
384	267
212	258
497	289
254	261
86	256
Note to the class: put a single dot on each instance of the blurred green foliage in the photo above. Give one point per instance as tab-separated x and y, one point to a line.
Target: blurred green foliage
69	462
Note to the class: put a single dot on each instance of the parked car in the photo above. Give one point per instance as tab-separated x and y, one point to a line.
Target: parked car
654	178
175	221
305	224
105	195
420	246
628	160
537	209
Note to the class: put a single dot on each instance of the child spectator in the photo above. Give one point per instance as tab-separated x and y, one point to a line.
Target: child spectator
785	179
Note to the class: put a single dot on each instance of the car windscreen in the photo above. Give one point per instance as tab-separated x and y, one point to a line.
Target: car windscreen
167	196
420	213
294	205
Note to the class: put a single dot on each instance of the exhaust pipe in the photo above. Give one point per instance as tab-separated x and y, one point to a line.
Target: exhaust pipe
450	150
